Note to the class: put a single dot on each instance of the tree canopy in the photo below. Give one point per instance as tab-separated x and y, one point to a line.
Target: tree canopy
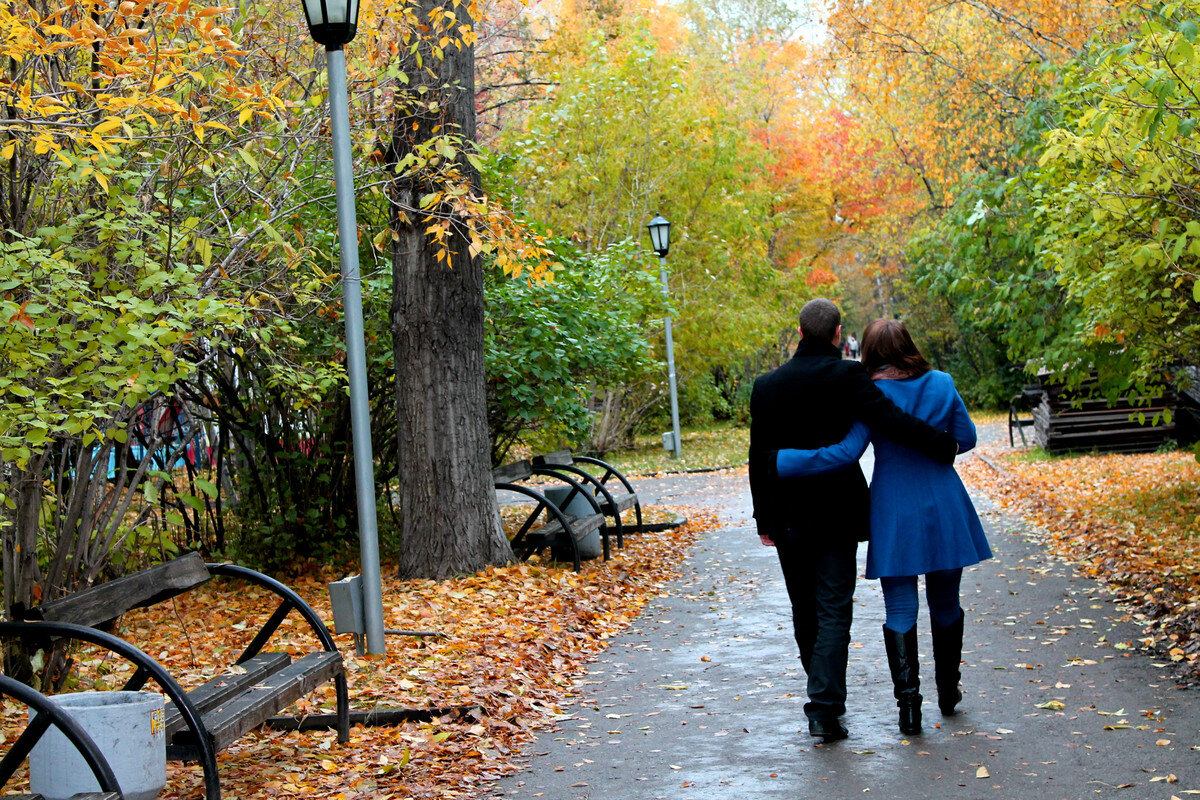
1016	179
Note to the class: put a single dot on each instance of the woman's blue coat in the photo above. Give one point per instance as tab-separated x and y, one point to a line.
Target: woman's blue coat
922	519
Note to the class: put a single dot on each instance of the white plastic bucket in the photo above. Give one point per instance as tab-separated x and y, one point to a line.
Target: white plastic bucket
128	729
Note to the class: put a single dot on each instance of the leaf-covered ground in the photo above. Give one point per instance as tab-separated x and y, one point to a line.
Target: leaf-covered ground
515	640
1132	521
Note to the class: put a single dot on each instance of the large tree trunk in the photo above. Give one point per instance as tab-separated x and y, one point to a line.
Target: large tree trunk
449	519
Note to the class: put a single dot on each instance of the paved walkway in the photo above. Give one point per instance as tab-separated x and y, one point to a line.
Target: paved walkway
702	697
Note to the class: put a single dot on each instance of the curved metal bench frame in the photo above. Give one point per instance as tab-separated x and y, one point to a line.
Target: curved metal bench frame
49	713
1025	401
585	477
554	511
148	668
612	472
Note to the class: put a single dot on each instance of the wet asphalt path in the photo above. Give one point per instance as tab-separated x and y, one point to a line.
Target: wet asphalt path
702	698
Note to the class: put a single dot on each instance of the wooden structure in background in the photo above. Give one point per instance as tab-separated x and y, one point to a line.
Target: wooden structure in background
1065	420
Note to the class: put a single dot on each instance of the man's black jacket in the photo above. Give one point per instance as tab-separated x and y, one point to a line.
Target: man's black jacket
810	402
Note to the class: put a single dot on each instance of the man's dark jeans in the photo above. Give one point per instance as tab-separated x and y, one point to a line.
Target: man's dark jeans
820	583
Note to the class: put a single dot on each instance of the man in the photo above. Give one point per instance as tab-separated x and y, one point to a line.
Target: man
815	523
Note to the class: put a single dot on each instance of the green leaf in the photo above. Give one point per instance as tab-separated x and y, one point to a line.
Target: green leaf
250	160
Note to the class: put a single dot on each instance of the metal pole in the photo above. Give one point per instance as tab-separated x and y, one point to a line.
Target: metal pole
662	261
356	356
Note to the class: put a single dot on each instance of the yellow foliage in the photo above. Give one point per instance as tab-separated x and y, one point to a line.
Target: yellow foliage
947	80
96	79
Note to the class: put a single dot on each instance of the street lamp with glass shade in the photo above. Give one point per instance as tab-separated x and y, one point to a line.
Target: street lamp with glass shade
660	235
332	24
660	242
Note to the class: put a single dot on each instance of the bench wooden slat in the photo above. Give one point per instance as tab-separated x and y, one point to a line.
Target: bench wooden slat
623	501
581	525
1125	414
212	693
511	473
252	708
99	605
559	458
551	533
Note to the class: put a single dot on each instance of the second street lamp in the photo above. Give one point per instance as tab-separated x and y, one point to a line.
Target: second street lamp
660	242
332	24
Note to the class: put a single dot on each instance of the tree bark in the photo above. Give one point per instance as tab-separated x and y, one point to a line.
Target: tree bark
449	519
21	525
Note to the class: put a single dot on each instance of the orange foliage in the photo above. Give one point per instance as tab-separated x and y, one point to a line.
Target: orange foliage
516	639
1129	520
819	278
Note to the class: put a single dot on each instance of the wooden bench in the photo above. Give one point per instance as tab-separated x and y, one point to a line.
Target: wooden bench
549	524
45	714
208	718
613	491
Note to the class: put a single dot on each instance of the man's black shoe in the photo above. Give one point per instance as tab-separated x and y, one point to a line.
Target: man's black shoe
830	729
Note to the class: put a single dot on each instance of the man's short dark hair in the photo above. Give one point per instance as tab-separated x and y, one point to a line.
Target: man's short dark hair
819	319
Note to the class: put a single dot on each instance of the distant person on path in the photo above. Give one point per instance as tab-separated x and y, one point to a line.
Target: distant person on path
816	522
853	347
922	520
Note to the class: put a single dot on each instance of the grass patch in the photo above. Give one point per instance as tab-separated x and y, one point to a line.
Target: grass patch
708	448
1033	455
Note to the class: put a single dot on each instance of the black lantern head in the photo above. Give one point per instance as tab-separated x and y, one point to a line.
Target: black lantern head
332	23
660	234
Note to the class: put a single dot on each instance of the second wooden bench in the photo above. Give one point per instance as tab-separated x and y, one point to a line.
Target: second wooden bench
549	524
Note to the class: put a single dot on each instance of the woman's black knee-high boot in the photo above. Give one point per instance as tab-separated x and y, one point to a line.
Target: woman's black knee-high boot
906	679
947	656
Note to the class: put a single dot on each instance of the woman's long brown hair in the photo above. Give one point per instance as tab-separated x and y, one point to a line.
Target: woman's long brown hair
886	342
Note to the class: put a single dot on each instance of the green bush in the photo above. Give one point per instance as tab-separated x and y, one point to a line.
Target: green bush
550	347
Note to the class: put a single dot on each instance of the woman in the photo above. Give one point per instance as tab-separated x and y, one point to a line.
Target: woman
922	521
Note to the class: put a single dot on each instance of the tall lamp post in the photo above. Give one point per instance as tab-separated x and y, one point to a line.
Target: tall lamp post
660	242
333	23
